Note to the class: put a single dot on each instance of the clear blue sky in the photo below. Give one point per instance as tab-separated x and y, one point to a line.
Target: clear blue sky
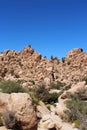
51	27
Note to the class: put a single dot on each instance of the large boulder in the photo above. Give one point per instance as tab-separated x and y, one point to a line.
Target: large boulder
3	128
21	105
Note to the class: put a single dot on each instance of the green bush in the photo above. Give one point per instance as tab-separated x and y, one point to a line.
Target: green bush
57	85
48	106
53	98
11	87
77	124
77	109
35	100
43	94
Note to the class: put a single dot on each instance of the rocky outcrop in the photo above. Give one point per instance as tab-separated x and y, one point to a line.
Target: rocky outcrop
21	105
29	66
74	52
74	89
50	120
30	69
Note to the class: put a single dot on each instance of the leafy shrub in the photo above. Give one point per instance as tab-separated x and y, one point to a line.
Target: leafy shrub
10	87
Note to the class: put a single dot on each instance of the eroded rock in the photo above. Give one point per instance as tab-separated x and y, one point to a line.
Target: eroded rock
21	105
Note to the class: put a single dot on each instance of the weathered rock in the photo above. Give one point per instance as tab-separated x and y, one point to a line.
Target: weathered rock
30	65
21	104
50	120
74	89
3	128
47	81
74	52
28	50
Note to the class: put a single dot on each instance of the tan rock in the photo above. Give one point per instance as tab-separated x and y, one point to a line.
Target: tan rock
74	52
74	89
47	81
29	65
3	128
49	119
68	126
21	104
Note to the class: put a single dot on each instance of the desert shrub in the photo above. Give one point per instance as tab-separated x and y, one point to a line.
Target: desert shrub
29	45
10	120
53	98
77	124
57	85
66	87
35	100
41	93
1	121
80	95
77	109
10	87
48	106
32	81
63	59
51	57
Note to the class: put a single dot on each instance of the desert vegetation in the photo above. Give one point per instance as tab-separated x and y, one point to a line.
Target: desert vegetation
77	109
41	93
10	87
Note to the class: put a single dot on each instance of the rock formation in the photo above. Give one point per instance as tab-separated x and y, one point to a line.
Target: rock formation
29	65
21	105
31	69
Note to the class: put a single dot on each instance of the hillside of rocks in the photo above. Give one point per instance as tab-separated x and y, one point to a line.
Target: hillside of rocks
43	107
29	67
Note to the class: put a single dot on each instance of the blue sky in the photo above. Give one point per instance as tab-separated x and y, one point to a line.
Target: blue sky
51	27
